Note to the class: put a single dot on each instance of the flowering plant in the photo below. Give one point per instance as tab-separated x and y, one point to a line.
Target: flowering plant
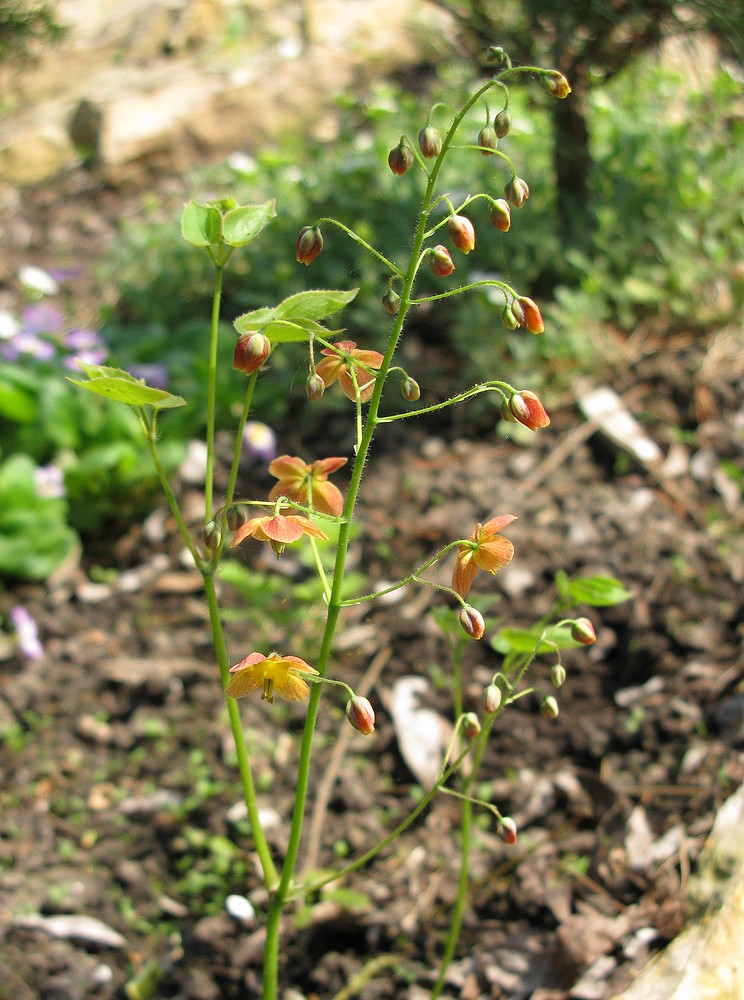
304	503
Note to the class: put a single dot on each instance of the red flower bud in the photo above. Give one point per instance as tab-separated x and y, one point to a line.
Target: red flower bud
441	262
508	830
391	302
314	387
488	140
430	142
517	312
236	517
549	707
471	726
472	622
492	699
532	318
582	631
251	350
309	244
400	158
361	715
499	214
555	83
517	191
528	410
461	233
506	413
502	124
410	389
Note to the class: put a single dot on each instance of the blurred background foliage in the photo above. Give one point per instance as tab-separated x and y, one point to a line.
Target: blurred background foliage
637	196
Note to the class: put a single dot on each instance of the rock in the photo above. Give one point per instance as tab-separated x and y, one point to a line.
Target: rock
38	151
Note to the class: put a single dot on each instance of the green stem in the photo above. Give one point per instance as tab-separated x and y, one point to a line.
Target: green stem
463	884
212	388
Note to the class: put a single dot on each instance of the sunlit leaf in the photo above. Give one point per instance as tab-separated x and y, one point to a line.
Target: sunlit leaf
243	224
201	225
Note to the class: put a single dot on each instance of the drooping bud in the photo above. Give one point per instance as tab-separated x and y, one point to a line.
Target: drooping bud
410	389
517	312
532	318
506	413
309	244
251	350
508	318
400	157
314	387
502	123
461	233
236	517
391	302
495	56
517	191
582	631
555	83
499	214
440	261
471	621
361	715
508	830
528	410
558	675
471	726
212	535
549	707
430	142
492	699
488	140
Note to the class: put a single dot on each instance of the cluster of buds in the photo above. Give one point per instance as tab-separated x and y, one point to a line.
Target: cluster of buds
522	311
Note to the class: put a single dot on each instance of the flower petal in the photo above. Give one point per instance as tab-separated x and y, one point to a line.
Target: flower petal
244	682
306	527
293	688
464	573
251	528
494	555
283	529
247	661
327	498
288	467
325	466
496	524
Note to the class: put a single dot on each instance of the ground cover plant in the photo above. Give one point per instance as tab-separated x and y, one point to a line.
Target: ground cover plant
305	506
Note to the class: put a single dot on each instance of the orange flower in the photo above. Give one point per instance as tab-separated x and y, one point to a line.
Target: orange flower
308	484
335	367
485	550
282	674
277	529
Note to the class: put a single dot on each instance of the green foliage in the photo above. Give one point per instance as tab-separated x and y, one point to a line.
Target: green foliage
26	25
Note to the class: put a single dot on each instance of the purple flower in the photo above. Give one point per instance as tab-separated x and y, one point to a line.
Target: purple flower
49	481
154	375
42	317
259	441
28	343
27	633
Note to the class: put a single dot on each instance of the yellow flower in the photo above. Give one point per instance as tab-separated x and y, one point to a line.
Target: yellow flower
486	549
305	483
334	366
278	530
282	674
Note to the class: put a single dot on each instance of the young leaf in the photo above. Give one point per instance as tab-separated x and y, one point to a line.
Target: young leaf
128	390
253	320
201	225
597	591
520	640
314	304
245	222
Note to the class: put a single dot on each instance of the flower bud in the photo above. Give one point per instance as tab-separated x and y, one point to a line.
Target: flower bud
471	726
499	214
440	261
492	699
508	830
236	517
506	413
549	707
558	675
361	715
517	312
212	535
555	83
532	318
528	410
495	56
430	142
488	140
582	631
472	622
400	157
251	350
502	123
461	233
517	191
391	302
410	389
508	318
314	387
309	244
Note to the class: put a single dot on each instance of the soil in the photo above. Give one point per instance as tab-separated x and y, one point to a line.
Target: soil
119	792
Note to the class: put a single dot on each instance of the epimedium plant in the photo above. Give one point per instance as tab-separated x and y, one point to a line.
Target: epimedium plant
306	506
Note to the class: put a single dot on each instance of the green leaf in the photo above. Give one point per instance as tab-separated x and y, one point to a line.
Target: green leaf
201	225
520	640
253	320
281	331
315	304
124	388
597	591
243	224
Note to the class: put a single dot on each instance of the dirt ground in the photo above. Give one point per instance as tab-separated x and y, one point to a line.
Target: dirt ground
119	797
